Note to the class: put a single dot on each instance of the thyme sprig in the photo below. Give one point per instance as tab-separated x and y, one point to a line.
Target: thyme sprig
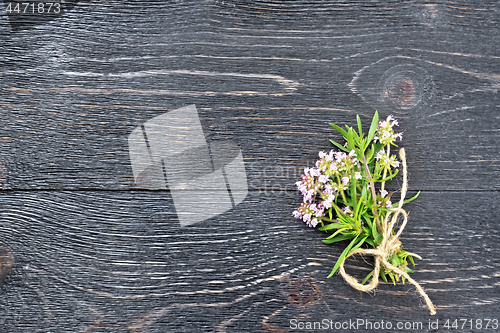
344	195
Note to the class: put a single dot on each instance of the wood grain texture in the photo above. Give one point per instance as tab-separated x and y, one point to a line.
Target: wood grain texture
70	102
113	257
83	251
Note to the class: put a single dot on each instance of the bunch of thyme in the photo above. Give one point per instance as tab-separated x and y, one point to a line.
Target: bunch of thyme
345	195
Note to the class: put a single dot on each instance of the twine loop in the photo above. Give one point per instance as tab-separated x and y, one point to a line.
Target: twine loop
389	245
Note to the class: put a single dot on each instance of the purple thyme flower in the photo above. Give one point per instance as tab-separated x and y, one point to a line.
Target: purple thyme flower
385	131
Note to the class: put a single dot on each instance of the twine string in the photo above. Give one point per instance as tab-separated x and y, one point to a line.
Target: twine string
389	245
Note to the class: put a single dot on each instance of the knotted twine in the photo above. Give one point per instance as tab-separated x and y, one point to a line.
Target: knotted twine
389	245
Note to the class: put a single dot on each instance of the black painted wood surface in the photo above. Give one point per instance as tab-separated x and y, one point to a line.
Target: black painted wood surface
85	251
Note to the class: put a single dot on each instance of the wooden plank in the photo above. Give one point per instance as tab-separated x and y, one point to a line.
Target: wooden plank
119	259
82	250
70	102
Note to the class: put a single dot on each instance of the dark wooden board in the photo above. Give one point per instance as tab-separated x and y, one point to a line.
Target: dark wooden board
90	253
72	95
98	259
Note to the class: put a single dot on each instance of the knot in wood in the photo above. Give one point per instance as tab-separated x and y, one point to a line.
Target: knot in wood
303	291
403	89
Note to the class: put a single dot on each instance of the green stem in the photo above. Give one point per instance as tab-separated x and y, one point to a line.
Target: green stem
374	195
326	219
338	208
341	186
385	169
